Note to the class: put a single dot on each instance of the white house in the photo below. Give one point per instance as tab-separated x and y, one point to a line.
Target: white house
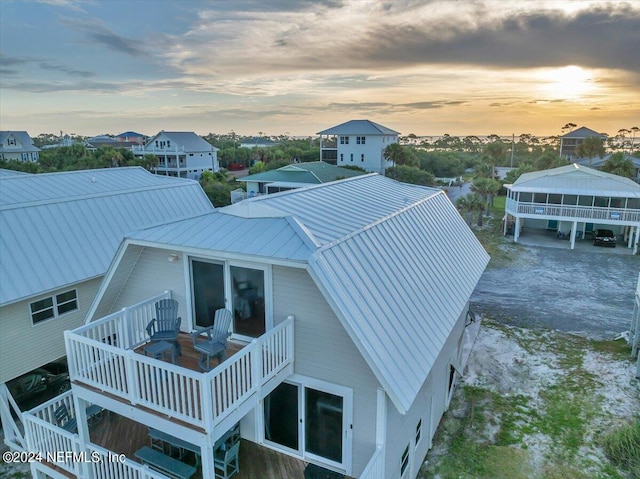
357	143
18	146
59	234
570	142
574	199
180	153
349	300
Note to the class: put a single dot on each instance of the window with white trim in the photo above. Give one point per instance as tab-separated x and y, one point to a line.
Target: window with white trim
404	463
360	140
418	432
54	306
344	140
362	157
11	141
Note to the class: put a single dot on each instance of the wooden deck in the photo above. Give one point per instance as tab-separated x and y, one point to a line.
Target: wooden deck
124	436
189	357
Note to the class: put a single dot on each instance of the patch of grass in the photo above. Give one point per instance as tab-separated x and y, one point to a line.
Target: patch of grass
619	349
622	447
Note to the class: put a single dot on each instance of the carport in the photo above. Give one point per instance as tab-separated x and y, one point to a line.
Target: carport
573	201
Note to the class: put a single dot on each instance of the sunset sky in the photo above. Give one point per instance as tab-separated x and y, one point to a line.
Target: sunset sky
300	66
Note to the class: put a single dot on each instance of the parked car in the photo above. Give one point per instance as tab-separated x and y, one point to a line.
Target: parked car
39	385
604	238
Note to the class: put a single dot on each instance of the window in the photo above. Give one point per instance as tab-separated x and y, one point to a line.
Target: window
360	140
11	142
54	306
168	144
404	463
342	157
156	143
351	156
418	432
344	140
362	157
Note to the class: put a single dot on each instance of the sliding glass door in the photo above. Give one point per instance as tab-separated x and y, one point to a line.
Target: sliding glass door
208	291
311	422
240	288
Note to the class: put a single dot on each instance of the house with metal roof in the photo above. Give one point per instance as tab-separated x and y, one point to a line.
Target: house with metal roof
574	200
349	304
598	163
180	153
289	177
131	136
357	143
59	234
17	146
570	142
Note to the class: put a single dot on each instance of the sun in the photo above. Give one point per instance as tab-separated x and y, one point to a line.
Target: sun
566	83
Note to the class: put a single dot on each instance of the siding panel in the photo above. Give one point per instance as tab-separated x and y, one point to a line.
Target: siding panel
323	350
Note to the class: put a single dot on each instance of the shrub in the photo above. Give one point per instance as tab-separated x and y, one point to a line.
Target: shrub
622	447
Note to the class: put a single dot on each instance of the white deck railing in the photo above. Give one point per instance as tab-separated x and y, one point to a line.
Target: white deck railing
108	468
61	448
612	215
200	399
124	328
47	440
375	468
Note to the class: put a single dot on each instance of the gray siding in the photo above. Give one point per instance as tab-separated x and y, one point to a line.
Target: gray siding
429	406
25	346
152	275
324	350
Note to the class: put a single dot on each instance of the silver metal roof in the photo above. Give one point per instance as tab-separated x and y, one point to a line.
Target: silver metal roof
576	180
358	127
396	262
333	210
270	237
62	228
22	136
4	172
399	286
190	140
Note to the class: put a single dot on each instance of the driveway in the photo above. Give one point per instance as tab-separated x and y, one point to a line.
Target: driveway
588	292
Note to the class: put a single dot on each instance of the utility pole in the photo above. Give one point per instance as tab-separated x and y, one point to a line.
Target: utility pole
513	139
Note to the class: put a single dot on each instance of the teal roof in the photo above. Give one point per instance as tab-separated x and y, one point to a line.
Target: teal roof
314	172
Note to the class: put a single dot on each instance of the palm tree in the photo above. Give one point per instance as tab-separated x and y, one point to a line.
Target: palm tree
617	164
590	147
476	203
486	188
465	207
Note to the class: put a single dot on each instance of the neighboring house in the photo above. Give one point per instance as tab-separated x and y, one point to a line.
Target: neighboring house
570	142
257	142
290	177
180	153
349	303
597	163
65	140
59	234
103	141
131	137
17	146
574	199
357	143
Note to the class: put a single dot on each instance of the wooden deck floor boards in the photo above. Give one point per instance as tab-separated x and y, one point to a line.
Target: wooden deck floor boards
124	436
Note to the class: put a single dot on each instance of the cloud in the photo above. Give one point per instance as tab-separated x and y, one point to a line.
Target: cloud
61	68
100	34
372	36
73	5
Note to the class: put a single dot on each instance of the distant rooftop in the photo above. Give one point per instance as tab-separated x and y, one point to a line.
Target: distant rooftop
358	127
313	172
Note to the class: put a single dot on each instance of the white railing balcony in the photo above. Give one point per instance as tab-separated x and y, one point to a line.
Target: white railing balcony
239	194
102	355
56	447
152	150
582	213
375	468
